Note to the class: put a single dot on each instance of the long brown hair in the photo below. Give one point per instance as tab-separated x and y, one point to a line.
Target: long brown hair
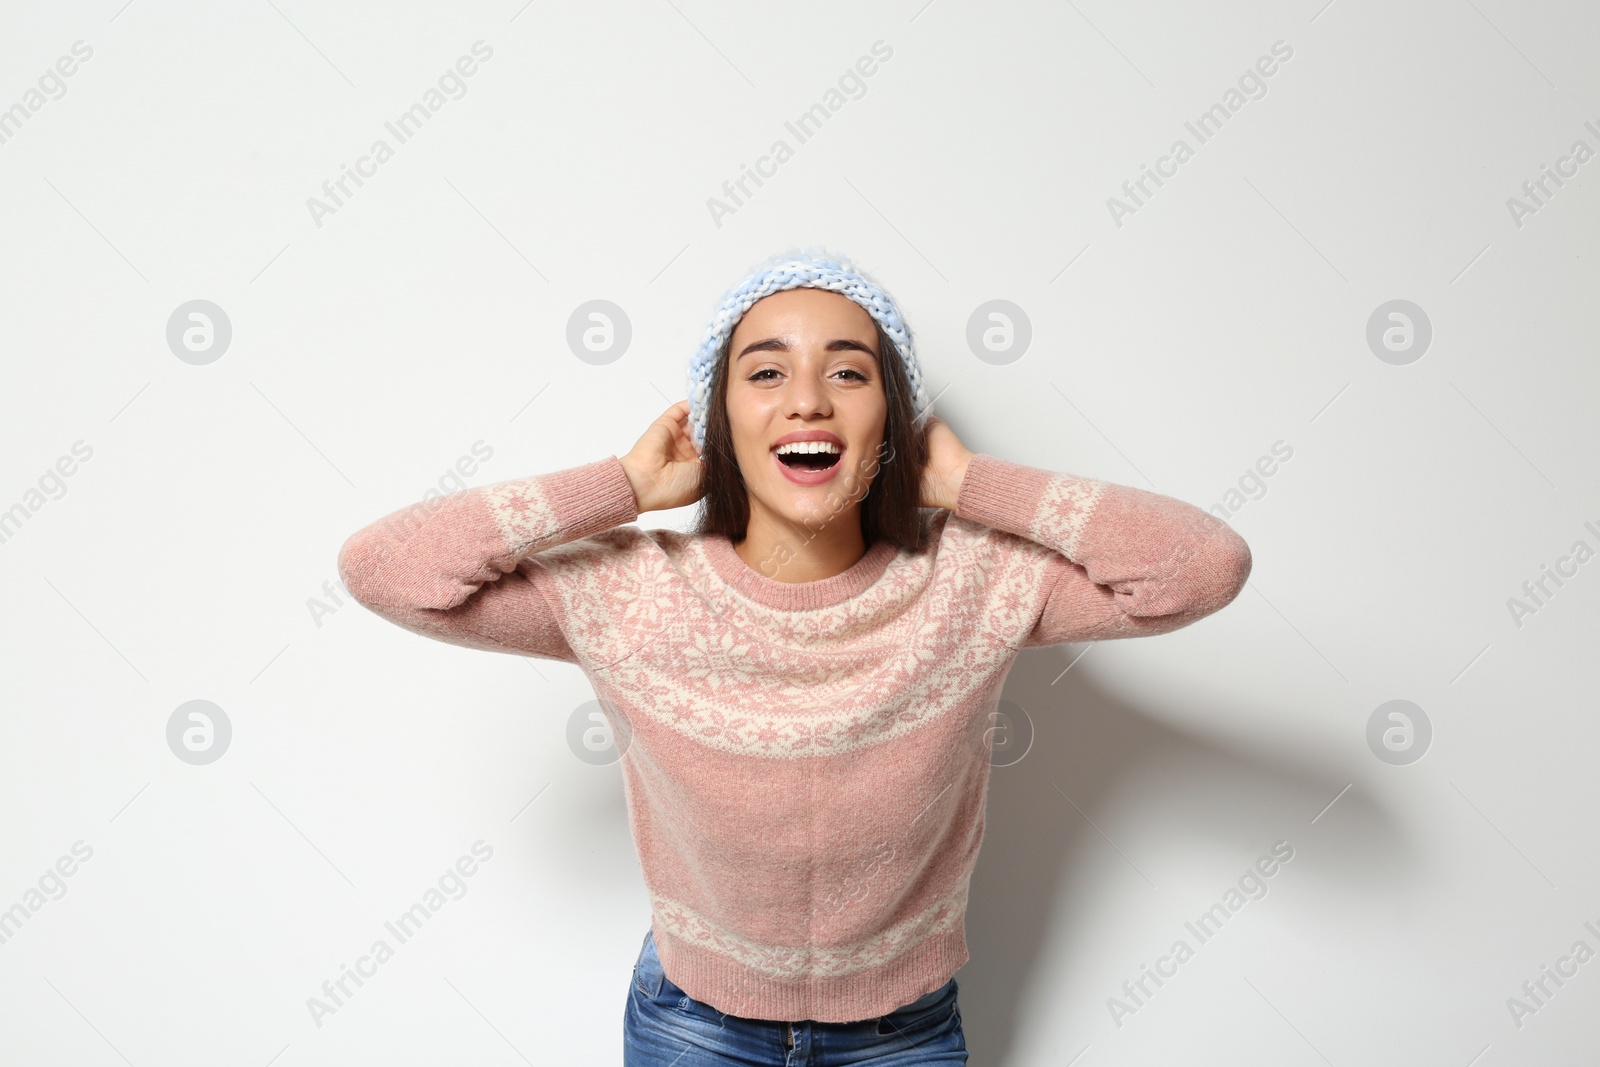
889	511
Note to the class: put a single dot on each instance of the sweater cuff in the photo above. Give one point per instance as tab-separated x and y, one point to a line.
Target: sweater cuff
996	492
591	498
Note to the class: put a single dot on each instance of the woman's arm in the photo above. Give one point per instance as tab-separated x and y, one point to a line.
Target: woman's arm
1129	563
448	568
458	567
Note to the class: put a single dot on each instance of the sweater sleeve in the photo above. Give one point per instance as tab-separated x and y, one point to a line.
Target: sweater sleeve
457	567
1126	562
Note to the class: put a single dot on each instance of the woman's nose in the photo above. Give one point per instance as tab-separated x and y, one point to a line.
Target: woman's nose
807	396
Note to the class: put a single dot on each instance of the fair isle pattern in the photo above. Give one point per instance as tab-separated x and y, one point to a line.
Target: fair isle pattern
798	270
805	961
1063	512
1018	586
835	628
524	514
619	591
819	705
842	711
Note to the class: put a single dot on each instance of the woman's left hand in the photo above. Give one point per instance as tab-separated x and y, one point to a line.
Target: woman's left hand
947	466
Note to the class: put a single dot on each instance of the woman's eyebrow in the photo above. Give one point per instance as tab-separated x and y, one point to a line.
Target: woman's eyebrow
771	344
778	344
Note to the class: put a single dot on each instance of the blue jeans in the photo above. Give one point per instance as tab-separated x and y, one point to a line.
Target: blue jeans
665	1027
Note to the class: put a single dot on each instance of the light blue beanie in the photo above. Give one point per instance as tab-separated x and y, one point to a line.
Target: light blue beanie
798	270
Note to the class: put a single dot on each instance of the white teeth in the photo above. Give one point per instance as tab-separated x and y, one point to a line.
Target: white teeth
807	446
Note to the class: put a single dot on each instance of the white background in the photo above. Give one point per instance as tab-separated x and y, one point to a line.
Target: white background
186	558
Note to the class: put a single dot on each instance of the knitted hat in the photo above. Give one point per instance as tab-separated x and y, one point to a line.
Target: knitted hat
798	270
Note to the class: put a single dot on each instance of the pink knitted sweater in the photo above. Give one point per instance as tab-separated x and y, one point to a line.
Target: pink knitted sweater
805	764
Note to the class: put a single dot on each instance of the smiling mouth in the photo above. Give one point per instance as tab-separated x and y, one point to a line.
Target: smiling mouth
810	461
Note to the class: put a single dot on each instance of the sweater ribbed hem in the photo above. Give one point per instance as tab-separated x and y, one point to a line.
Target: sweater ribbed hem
868	994
996	492
591	498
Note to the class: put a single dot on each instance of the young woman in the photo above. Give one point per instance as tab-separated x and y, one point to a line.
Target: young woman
800	686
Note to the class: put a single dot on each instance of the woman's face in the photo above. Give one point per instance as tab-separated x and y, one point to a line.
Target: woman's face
804	363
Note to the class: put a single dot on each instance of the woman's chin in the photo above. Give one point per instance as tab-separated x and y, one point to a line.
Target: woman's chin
817	508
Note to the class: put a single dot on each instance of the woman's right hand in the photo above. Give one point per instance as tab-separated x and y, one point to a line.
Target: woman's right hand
664	465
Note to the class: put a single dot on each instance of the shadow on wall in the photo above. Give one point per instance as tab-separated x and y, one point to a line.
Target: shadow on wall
1093	745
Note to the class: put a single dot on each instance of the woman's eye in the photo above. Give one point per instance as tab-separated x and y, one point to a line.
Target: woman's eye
759	375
